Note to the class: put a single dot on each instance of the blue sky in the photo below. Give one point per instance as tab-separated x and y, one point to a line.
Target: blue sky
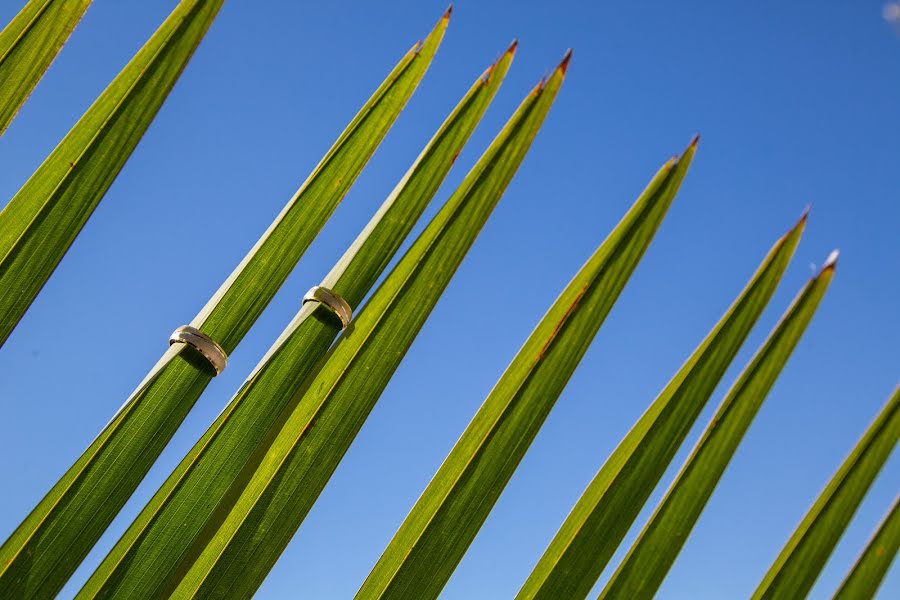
796	103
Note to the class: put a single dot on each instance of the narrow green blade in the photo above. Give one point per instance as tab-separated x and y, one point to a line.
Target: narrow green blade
865	577
650	558
322	418
601	517
243	296
47	547
433	538
796	569
146	561
28	44
42	220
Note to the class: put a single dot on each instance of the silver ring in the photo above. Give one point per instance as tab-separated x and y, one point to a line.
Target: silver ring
332	302
203	344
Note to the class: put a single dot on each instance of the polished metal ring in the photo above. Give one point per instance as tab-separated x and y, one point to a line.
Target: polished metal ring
203	344
332	302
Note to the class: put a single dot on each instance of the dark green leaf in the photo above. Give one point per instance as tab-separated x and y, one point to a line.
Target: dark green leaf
801	560
865	577
601	517
321	420
149	557
46	548
650	558
28	44
433	538
42	220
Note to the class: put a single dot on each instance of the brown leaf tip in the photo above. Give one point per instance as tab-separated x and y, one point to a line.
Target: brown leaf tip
565	61
694	141
486	76
446	15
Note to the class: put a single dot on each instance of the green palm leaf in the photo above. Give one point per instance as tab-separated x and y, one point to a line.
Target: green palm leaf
432	540
603	514
42	220
865	577
650	558
148	557
28	44
323	417
46	548
798	565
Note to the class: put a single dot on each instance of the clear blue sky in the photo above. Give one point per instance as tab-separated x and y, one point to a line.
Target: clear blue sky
797	103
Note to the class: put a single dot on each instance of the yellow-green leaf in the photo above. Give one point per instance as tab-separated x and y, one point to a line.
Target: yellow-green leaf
433	538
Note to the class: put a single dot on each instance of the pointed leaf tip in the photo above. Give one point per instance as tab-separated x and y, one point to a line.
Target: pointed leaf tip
319	423
643	570
509	53
694	141
561	69
436	34
801	222
235	437
565	61
831	261
438	530
603	515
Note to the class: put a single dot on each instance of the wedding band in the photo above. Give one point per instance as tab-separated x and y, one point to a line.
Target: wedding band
203	344
332	302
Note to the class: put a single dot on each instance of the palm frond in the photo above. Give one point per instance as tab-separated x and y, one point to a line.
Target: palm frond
425	551
49	544
321	420
601	517
148	557
41	221
865	577
651	556
28	44
801	560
